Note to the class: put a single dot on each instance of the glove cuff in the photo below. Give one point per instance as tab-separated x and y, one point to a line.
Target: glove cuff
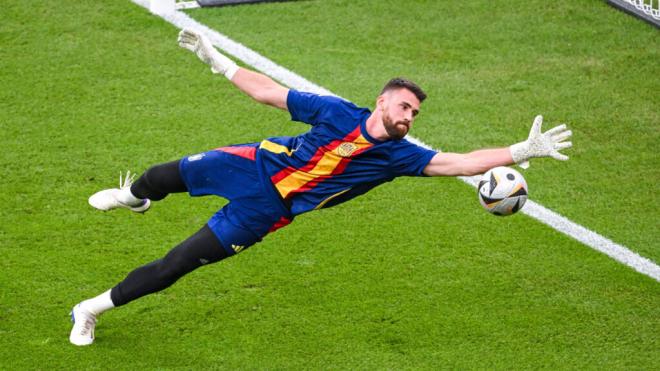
231	71
221	64
520	152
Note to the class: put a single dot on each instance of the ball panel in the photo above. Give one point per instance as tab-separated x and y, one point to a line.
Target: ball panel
519	190
519	204
493	183
488	201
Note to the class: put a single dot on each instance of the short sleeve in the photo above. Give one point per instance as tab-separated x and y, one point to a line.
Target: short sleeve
410	159
311	108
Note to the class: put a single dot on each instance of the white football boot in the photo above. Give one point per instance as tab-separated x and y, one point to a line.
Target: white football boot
84	323
113	198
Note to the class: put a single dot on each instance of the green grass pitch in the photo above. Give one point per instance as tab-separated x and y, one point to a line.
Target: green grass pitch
411	276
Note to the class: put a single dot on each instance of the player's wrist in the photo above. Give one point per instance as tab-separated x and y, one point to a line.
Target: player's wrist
223	65
231	71
520	152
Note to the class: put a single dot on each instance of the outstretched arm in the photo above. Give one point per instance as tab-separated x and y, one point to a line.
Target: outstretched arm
473	163
538	144
256	85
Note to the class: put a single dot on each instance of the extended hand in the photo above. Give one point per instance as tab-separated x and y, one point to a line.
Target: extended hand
540	144
202	47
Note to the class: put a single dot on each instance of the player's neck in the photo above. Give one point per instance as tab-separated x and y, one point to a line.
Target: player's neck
375	127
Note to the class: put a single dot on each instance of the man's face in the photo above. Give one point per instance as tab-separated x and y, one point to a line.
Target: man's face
399	108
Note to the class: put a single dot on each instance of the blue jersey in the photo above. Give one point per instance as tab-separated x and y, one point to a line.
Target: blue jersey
336	160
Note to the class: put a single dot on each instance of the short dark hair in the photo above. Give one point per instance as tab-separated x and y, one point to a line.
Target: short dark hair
401	83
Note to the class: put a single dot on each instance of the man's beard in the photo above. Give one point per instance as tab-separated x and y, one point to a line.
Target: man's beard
393	129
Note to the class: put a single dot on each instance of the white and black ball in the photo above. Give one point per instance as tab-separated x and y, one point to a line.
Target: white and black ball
502	191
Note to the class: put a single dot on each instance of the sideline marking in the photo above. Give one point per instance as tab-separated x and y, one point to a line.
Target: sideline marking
537	211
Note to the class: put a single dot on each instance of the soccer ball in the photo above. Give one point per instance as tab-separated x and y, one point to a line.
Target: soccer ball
502	191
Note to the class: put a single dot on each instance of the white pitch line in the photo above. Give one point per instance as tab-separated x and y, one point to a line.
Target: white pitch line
546	216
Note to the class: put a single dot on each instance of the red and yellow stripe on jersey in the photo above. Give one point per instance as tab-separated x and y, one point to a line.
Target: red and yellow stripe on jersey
329	160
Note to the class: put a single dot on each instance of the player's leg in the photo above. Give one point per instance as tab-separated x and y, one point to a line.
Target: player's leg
254	211
201	248
159	181
154	185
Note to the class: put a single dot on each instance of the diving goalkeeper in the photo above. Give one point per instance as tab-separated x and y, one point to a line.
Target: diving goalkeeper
348	151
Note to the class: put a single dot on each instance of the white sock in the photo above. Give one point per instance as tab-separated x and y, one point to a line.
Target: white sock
98	304
127	198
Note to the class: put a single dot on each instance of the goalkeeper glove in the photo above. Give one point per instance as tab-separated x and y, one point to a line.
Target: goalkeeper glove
540	144
201	46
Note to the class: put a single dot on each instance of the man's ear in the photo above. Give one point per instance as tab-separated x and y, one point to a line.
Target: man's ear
380	101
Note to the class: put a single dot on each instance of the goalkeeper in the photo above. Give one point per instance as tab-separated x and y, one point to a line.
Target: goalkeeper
348	151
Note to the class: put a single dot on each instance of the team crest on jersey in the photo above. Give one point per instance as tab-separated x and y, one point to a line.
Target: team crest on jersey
346	149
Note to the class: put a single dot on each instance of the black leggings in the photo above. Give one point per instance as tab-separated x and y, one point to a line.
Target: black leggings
159	181
201	248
